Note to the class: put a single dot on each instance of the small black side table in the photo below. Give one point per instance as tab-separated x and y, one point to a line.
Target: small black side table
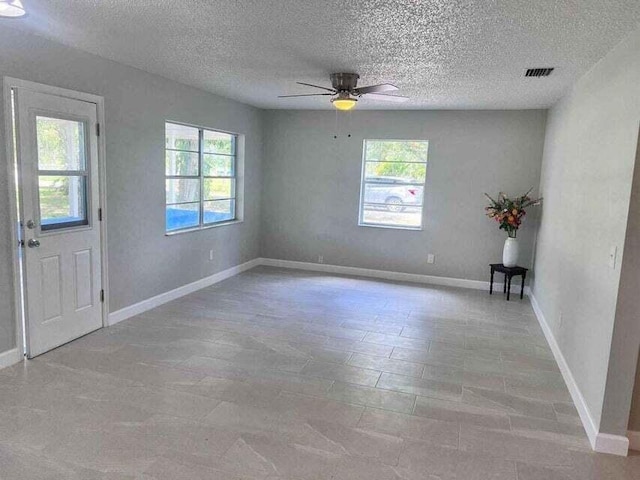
509	272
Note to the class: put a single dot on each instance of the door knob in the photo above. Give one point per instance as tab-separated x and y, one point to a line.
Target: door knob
33	243
31	224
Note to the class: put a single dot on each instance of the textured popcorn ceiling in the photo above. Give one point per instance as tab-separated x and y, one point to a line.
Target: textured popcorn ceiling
443	53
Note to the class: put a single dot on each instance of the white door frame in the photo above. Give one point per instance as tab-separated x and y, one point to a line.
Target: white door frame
9	84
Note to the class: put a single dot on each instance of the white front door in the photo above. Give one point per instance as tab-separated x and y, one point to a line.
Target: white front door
59	193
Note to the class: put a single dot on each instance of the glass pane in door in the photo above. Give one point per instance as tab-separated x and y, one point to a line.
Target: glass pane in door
61	144
62	173
63	201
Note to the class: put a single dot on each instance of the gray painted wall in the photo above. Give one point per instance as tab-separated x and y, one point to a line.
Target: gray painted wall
312	186
586	181
627	326
634	416
143	262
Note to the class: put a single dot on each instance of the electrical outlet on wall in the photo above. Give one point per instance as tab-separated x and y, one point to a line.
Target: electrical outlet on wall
210	255
320	259
431	258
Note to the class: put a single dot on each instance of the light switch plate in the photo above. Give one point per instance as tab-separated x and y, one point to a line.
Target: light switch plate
431	258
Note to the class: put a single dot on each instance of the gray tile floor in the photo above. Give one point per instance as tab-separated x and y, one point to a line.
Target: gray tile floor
279	374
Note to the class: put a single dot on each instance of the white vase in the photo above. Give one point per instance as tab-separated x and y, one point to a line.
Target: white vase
510	252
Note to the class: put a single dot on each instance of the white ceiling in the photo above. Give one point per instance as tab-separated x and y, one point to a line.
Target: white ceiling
451	54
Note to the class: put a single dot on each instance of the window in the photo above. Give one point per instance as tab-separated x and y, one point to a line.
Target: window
62	173
200	177
393	178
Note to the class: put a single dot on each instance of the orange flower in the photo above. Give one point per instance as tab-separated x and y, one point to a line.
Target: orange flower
514	211
511	218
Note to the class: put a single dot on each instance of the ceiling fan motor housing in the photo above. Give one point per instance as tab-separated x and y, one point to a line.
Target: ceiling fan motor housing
344	81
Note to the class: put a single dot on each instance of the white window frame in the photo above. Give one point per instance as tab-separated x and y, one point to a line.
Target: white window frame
238	177
361	221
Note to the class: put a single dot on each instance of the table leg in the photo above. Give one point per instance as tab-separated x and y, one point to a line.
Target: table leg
491	284
505	284
509	288
524	275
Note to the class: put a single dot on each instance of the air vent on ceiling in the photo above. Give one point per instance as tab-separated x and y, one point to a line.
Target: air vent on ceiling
538	72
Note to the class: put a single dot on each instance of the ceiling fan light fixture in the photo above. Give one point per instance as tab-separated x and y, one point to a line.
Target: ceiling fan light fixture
344	103
345	92
11	8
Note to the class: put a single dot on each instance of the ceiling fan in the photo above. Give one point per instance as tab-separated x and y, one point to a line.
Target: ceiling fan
345	92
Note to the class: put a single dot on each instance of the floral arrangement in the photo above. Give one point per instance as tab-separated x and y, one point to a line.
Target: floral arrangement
508	212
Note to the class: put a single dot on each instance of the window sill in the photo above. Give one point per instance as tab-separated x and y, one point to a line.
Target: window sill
391	227
204	227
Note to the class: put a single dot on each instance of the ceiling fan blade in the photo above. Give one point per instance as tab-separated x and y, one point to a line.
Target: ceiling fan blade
305	95
317	86
387	98
383	87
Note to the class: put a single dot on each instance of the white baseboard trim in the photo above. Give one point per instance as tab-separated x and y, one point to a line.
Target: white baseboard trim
600	442
153	302
612	444
634	440
389	275
10	357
